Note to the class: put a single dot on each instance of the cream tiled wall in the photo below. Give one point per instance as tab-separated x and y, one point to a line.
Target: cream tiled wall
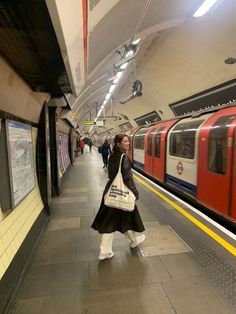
15	226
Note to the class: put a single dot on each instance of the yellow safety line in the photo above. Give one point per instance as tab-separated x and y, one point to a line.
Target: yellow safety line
229	247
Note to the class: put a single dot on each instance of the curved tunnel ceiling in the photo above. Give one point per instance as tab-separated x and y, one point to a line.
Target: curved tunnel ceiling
179	56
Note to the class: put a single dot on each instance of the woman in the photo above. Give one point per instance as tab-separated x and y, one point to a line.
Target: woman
108	220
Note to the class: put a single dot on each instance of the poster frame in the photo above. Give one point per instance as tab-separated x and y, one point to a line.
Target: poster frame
10	124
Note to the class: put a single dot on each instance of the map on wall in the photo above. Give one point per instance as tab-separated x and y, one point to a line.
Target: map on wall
20	159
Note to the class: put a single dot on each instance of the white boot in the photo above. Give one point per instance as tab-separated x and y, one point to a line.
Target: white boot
134	239
106	246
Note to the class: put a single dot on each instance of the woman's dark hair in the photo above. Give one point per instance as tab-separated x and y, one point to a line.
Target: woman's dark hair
118	138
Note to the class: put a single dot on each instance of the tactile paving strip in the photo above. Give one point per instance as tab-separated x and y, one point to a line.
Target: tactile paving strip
213	266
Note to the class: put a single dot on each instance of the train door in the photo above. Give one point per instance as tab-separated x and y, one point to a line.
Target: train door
233	183
182	154
159	149
216	155
149	150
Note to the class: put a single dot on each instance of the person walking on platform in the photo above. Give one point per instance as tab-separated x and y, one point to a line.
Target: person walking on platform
106	150
81	145
108	219
90	145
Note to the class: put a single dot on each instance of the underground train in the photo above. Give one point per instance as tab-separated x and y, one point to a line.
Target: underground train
194	155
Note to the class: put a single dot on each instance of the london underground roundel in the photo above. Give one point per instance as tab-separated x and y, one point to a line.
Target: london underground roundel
180	168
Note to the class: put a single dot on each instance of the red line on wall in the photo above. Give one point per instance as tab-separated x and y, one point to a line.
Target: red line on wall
85	33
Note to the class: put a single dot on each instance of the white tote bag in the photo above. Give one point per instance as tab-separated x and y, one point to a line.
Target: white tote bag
119	195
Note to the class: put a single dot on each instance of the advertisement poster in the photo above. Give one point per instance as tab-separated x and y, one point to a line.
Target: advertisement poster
60	164
63	152
20	159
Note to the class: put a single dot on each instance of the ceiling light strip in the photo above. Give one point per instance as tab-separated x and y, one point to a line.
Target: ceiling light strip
204	8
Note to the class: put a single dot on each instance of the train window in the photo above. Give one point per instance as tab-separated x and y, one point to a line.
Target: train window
182	139
158	142
217	144
149	145
139	139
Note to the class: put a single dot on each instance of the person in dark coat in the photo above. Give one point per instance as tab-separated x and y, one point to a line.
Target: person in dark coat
108	220
90	145
106	150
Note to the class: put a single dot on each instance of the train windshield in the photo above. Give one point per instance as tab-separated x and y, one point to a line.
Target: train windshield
182	139
217	144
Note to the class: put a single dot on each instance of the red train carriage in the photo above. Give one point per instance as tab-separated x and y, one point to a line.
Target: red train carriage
194	155
217	162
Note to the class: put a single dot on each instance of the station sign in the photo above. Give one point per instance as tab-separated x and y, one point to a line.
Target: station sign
97	123
89	123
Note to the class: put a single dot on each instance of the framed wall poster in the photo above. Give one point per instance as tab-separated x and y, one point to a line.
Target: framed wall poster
20	160
60	163
63	152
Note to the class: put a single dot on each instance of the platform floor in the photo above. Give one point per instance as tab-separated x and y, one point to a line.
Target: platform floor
178	269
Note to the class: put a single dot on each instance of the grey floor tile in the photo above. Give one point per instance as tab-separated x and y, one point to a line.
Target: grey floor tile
62	253
67	206
125	272
62	304
109	301
75	199
86	221
67	212
181	265
48	280
71	211
145	213
63	237
196	296
148	299
73	191
63	223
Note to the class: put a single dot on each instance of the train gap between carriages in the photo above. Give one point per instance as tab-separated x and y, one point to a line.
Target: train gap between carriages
153	188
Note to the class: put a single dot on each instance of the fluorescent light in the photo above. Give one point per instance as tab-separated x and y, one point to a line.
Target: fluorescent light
118	76
204	8
129	53
136	41
111	89
108	95
102	106
99	112
104	103
124	66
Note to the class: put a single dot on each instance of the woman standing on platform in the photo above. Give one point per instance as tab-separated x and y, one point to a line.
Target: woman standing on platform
108	220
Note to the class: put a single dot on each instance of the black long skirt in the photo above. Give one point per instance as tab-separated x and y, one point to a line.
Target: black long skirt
110	220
